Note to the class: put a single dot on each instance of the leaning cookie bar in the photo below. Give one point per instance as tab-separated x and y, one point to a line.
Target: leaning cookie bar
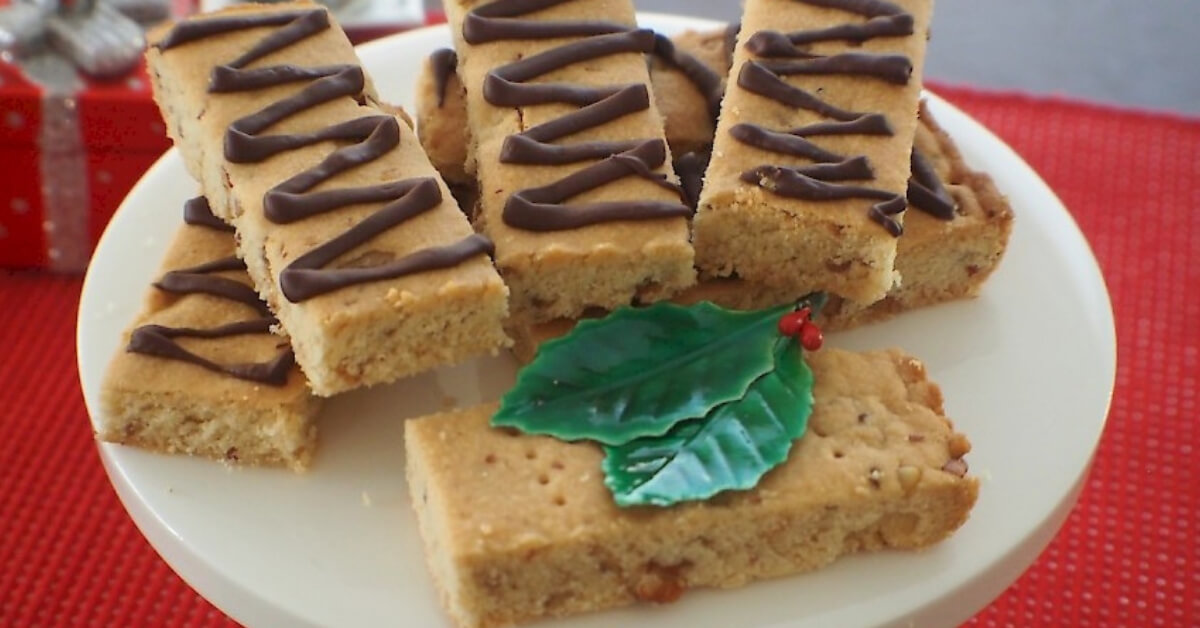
955	233
349	234
811	156
200	372
688	73
442	117
950	247
576	187
518	528
682	68
946	252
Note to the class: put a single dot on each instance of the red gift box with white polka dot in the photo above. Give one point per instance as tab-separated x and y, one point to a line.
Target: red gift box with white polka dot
120	135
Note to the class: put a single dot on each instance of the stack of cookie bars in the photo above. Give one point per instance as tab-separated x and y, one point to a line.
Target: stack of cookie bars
568	163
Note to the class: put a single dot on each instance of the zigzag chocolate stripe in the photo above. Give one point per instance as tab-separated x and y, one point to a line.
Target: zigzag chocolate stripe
495	22
543	209
783	54
196	211
443	62
706	81
926	191
884	19
371	137
160	340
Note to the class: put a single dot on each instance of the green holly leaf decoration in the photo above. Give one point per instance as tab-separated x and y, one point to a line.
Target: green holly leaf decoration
640	371
731	447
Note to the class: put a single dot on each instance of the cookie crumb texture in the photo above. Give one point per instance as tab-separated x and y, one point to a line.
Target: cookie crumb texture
940	260
563	273
358	335
175	407
518	527
753	231
230	430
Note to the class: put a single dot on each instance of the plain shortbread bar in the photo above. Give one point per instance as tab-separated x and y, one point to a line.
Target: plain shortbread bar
360	334
172	406
518	528
751	229
563	272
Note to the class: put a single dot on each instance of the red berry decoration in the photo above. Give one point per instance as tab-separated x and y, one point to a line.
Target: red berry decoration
792	323
810	336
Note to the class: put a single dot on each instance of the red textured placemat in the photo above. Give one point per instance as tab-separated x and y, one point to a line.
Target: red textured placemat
1126	555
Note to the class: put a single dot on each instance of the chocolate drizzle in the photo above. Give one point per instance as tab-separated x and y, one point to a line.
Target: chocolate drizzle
196	211
784	143
705	80
533	146
443	62
540	209
506	86
195	29
370	137
884	19
786	54
926	192
498	21
200	280
160	340
543	208
895	69
690	168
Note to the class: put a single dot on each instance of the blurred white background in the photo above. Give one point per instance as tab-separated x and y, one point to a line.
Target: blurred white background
1143	53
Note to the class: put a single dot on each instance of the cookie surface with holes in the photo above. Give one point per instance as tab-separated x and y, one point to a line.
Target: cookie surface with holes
521	527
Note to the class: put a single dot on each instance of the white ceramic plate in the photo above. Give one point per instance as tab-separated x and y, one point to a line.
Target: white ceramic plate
1027	370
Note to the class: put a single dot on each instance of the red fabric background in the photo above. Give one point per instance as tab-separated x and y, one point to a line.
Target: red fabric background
1127	555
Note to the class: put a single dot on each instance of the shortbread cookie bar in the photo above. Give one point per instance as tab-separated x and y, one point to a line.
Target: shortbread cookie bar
576	185
688	72
955	237
811	156
730	293
442	117
200	372
518	528
955	234
687	76
946	252
940	259
347	230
